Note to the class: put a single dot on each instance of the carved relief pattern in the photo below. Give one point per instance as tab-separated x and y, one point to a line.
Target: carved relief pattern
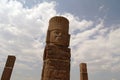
56	63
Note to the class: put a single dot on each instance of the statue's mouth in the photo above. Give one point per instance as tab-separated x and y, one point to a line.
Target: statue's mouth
58	37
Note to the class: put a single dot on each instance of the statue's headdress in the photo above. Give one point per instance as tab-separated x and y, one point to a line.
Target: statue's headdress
59	22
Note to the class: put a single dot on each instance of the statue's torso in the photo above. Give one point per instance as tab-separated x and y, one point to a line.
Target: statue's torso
56	63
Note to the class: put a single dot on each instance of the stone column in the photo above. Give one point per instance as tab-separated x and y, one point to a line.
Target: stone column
57	55
83	71
8	68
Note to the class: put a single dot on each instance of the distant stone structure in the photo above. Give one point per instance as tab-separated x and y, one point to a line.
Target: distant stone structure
83	71
8	68
57	55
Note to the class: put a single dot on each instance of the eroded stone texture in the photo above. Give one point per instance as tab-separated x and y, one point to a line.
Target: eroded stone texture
83	71
57	54
8	68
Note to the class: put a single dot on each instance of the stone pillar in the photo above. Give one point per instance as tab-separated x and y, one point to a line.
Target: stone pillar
83	71
57	55
8	68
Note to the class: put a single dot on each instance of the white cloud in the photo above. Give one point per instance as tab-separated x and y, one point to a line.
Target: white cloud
101	7
77	24
99	47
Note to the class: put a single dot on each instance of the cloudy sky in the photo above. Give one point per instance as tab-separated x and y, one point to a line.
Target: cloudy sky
94	28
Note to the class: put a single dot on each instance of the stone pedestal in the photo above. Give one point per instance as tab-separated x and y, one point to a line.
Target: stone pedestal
8	68
83	71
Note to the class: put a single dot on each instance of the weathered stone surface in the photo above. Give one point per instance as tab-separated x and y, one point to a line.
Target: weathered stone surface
57	54
8	68
83	71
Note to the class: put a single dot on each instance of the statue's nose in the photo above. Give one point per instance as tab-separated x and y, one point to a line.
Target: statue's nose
60	34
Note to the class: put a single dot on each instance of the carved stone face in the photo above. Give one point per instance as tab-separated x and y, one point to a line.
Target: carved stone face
59	37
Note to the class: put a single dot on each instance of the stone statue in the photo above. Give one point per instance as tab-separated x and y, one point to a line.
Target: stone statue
57	55
8	67
83	71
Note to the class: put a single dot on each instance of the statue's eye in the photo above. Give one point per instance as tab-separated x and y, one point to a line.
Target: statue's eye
56	32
